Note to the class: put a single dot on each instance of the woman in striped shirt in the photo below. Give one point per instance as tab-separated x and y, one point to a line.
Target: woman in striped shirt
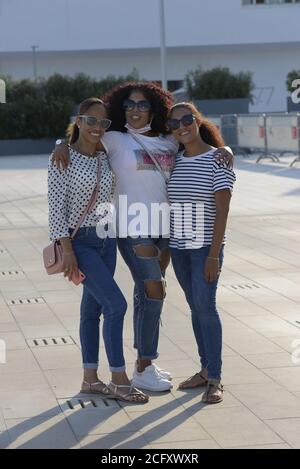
199	192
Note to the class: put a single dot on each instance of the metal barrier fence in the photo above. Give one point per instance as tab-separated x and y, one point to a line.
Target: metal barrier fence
270	135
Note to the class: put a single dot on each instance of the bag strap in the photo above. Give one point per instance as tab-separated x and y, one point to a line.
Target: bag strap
158	167
92	201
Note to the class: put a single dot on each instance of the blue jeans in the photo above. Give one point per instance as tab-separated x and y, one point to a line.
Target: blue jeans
189	266
97	260
147	311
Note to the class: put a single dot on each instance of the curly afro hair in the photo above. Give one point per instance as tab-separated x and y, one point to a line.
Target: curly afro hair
161	102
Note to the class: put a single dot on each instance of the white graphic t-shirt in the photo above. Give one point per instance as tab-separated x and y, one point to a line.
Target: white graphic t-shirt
141	197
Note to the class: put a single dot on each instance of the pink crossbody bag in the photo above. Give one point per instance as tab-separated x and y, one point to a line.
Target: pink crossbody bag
53	254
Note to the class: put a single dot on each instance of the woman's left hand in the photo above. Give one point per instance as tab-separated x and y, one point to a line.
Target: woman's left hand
224	156
212	270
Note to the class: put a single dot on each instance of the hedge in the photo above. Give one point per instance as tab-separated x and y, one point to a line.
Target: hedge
218	83
42	109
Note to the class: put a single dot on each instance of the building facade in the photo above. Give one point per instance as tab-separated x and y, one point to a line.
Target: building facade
102	37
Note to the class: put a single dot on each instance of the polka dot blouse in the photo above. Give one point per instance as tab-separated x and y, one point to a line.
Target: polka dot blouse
69	191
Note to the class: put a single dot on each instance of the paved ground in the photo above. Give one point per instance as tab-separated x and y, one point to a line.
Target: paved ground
259	299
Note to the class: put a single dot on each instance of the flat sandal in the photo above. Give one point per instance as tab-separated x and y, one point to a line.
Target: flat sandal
129	397
213	394
105	392
202	383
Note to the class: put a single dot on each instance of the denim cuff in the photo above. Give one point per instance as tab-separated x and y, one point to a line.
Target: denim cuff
117	369
215	381
149	357
92	366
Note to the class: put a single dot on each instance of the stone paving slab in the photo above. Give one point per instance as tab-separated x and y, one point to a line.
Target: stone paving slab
125	440
41	433
288	430
4	440
237	426
259	301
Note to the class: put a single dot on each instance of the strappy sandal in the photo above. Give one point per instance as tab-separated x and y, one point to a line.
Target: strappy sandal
134	396
187	381
213	394
105	392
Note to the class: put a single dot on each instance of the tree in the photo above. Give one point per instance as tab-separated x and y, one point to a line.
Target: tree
219	83
291	77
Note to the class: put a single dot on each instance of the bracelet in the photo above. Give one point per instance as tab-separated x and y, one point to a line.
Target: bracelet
60	141
213	258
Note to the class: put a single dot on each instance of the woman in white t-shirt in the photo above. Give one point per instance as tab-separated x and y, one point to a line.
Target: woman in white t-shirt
139	114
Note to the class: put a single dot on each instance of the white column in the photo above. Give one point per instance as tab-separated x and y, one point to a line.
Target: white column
163	44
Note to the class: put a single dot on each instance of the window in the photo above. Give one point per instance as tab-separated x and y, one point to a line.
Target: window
269	2
173	85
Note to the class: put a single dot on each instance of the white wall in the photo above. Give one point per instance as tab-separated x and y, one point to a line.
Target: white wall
101	37
269	65
114	24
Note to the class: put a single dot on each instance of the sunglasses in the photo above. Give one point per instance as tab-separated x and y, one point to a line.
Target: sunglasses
92	121
143	106
174	124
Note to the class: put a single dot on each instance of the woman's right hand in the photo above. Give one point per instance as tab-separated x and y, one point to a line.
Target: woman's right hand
70	265
61	156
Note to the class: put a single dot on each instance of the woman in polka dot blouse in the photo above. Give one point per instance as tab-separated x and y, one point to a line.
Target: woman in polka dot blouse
69	191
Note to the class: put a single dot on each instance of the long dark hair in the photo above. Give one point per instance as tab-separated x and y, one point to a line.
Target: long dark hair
160	100
73	130
209	132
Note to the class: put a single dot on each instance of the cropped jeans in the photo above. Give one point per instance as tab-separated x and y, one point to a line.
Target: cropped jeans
189	266
96	258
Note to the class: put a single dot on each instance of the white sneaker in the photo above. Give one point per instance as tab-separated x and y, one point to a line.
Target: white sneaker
150	380
163	374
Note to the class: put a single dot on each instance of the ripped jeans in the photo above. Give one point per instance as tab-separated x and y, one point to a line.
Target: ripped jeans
146	271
